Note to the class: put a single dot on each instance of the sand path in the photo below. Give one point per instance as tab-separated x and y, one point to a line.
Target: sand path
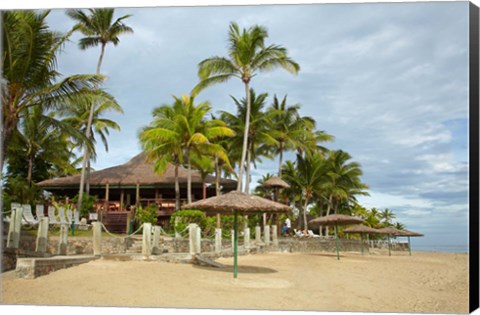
424	282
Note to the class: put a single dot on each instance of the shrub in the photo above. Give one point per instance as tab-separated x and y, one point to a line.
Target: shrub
185	217
87	204
147	215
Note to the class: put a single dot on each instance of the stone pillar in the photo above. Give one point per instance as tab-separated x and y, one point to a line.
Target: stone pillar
232	234
14	227
97	238
274	235
193	230
198	240
218	240
266	234
258	235
156	240
246	237
42	236
62	241
147	239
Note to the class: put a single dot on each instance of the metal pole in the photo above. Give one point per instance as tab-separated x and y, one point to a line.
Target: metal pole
389	251
409	248
336	242
361	236
235	245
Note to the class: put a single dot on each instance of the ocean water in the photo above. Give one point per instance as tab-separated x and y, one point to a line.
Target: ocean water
441	248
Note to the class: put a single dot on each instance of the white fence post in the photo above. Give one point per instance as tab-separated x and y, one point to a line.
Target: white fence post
246	237
42	236
192	236
156	240
218	240
97	238
258	235
15	225
198	240
266	234
146	239
274	235
63	240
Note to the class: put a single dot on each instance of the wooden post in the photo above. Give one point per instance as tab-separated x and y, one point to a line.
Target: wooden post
97	238
107	196
121	199
62	242
218	240
137	196
42	236
147	239
232	236
156	240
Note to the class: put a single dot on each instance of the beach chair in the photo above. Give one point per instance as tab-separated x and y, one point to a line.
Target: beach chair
39	212
52	218
28	216
311	234
61	215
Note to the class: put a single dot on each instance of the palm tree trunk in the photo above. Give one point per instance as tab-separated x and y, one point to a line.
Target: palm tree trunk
9	123
245	139
217	176
247	174
87	179
329	207
88	135
189	179
305	223
280	161
177	189
30	171
204	188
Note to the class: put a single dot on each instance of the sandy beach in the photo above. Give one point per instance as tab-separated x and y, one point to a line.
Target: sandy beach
424	282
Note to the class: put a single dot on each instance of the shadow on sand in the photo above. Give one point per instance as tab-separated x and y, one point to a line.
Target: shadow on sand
241	269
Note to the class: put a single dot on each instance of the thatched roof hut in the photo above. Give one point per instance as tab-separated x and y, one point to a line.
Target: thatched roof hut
409	233
362	229
237	201
136	171
391	231
275	181
336	219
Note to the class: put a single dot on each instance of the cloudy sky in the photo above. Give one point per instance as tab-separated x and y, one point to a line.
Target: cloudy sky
389	81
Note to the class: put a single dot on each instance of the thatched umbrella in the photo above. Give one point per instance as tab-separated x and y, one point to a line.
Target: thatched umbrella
390	231
409	234
275	182
335	220
236	202
362	229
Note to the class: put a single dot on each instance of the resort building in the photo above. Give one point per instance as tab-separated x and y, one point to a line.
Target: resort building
135	183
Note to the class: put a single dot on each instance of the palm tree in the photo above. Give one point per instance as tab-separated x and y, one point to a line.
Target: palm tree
30	76
205	166
99	28
77	114
247	56
387	215
289	129
179	131
260	139
42	137
309	175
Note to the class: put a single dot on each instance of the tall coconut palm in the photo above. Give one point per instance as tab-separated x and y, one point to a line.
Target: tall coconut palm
387	216
99	28
77	114
309	174
290	130
260	138
247	56
30	76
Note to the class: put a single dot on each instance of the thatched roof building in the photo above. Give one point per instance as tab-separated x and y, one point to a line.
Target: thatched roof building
136	171
136	182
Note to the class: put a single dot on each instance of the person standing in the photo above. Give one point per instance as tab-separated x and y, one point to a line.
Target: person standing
288	225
